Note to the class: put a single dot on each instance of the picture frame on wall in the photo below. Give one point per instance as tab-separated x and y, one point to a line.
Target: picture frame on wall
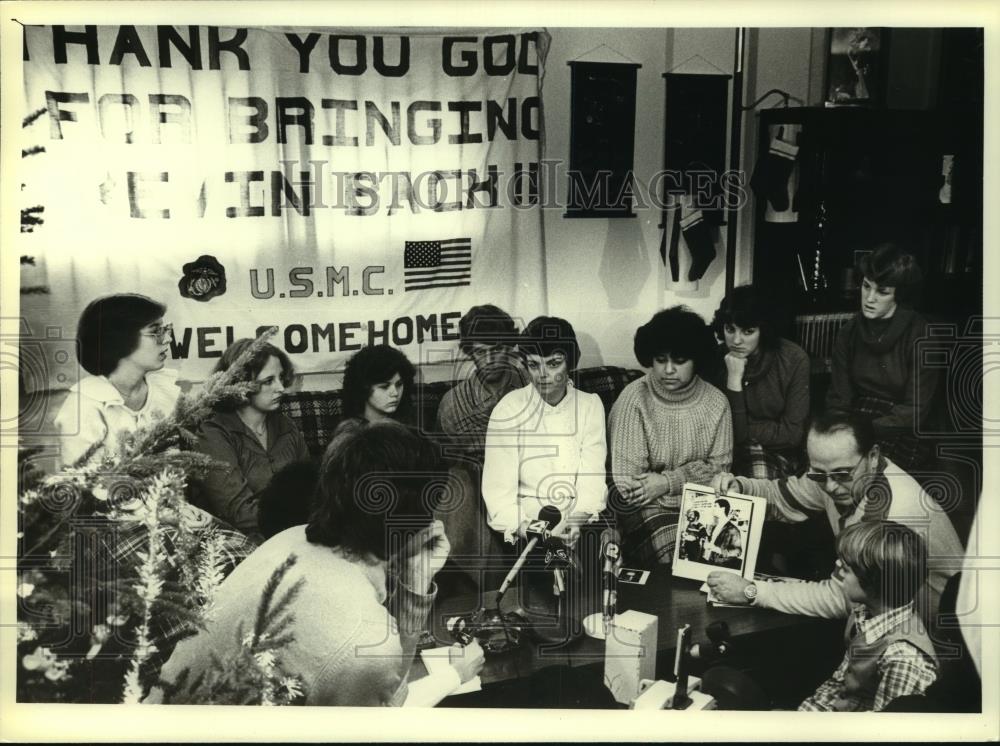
856	66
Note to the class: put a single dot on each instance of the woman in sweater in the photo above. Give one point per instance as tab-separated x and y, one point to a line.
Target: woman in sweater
123	343
667	428
545	444
364	568
378	383
766	379
251	440
873	373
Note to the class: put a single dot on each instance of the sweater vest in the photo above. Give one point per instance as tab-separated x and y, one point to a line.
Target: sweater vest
862	676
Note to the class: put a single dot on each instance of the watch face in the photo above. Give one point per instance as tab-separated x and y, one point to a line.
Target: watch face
750	591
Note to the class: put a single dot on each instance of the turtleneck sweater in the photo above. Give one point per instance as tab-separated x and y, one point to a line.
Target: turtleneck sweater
686	435
875	357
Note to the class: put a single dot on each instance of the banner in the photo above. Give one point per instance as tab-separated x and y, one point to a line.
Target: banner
350	189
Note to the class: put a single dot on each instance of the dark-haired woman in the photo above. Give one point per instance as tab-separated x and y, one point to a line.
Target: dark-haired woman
667	428
123	344
873	357
365	585
250	440
766	379
378	384
545	444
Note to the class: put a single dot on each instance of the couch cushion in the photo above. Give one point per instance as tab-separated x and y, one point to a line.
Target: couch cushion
607	381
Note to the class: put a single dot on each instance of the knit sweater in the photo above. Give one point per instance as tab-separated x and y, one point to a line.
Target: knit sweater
464	412
686	436
773	405
354	638
875	357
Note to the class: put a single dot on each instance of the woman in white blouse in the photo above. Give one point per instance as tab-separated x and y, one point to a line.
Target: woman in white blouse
545	444
123	343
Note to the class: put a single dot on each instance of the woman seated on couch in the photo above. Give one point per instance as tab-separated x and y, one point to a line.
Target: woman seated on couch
123	344
545	444
766	379
873	372
378	385
250	440
667	428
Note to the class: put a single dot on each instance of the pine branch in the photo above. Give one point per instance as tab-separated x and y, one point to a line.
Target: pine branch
264	611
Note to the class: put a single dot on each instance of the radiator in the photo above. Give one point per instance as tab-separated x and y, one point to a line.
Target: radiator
816	333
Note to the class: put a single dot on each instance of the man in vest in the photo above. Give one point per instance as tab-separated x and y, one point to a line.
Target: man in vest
850	481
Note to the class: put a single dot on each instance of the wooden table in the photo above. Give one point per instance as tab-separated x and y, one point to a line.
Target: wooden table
675	601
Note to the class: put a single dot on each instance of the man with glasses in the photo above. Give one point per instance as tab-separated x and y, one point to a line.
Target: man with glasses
850	481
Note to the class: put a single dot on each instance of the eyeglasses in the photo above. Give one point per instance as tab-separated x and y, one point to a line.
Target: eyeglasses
840	476
161	333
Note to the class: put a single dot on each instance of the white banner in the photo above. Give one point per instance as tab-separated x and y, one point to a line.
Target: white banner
349	188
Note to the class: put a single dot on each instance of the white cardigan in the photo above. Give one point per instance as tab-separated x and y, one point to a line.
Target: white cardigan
95	413
538	455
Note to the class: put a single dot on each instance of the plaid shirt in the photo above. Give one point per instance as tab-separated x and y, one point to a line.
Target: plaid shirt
903	669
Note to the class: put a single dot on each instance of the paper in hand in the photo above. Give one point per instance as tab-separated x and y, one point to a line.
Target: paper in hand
437	659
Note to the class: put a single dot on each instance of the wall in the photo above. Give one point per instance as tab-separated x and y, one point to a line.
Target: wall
605	275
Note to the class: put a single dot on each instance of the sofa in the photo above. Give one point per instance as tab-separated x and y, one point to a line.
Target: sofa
317	413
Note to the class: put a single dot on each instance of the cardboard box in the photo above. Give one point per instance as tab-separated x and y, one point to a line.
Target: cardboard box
630	654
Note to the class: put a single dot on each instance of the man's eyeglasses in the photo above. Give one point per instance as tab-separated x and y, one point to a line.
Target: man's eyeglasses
840	476
161	333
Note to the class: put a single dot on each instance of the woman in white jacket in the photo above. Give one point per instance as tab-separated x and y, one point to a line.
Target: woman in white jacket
546	442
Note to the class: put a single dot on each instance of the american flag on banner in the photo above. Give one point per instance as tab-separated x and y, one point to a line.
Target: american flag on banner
437	264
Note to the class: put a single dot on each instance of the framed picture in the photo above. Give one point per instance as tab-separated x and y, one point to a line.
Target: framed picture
716	532
856	66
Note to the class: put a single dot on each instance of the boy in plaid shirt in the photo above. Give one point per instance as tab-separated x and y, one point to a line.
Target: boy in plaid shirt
889	654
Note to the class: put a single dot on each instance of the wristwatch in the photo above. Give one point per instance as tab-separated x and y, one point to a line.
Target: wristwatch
750	591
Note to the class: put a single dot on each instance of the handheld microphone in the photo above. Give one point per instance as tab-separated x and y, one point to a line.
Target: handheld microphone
611	554
548	518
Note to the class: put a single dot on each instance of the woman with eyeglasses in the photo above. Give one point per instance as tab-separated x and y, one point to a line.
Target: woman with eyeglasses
250	440
873	372
123	344
667	428
766	379
378	384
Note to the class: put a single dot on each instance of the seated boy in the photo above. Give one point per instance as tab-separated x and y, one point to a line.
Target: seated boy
889	654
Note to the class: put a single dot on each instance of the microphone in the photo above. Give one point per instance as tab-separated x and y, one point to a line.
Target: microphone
718	643
611	555
548	518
